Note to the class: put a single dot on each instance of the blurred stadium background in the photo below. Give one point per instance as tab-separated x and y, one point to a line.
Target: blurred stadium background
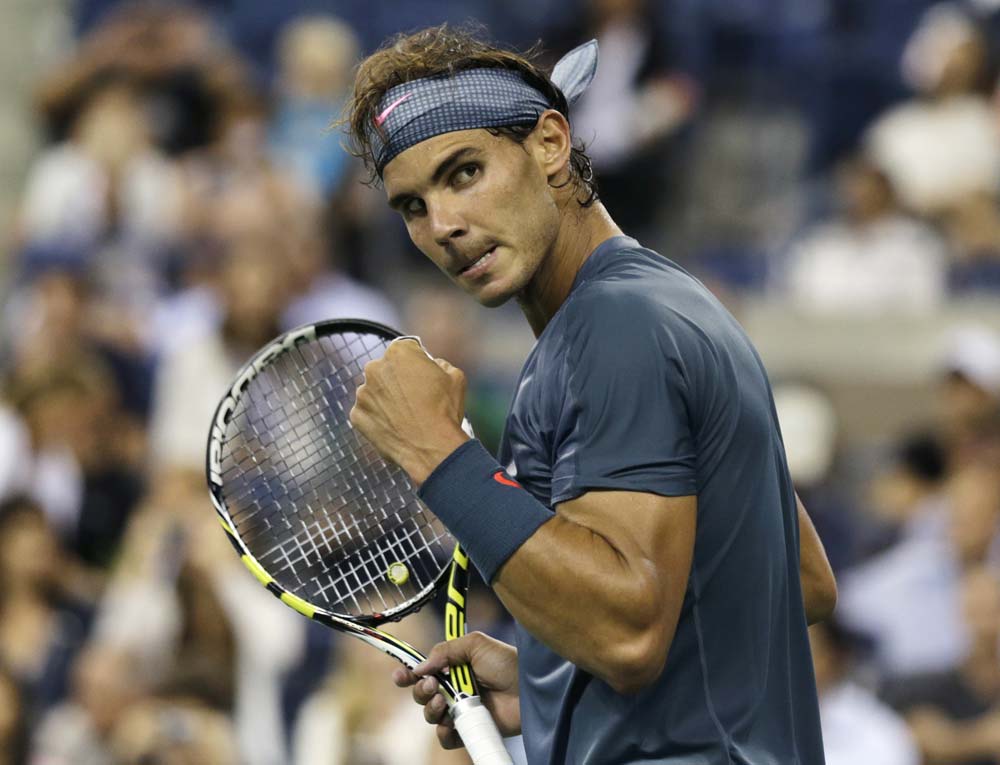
170	198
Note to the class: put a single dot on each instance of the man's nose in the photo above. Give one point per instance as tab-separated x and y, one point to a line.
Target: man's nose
446	223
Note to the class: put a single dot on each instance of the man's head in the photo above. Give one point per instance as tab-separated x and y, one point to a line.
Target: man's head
473	146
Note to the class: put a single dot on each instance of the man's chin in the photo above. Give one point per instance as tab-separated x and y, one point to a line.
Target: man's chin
491	295
493	300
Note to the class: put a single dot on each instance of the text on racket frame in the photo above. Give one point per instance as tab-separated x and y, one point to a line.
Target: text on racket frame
250	371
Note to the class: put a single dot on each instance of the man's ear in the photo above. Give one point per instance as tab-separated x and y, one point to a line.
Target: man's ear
553	144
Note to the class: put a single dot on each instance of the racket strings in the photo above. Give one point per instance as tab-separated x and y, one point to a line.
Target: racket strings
352	577
317	506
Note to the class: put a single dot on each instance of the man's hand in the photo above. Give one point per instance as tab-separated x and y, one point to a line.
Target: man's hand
495	666
411	408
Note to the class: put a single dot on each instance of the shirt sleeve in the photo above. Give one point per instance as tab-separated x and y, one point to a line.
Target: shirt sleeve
624	422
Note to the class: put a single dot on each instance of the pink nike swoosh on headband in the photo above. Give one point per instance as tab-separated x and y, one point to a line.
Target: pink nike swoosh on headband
388	110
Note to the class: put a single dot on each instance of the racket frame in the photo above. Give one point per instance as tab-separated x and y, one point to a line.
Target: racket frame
456	686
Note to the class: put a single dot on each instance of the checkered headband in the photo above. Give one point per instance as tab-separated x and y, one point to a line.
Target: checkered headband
474	98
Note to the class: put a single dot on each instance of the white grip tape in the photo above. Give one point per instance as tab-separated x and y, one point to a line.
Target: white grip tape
479	733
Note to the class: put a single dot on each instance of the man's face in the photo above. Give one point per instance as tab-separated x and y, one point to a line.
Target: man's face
479	206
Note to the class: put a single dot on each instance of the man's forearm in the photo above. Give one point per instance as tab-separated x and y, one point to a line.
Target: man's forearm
592	588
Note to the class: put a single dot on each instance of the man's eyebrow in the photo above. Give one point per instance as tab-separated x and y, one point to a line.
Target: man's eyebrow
450	161
446	164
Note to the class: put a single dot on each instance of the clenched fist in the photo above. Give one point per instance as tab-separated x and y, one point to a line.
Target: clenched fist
411	408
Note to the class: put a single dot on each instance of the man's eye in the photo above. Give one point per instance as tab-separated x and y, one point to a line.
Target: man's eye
465	174
413	207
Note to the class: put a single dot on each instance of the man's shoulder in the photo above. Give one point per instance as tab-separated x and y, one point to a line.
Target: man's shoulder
617	286
635	299
633	278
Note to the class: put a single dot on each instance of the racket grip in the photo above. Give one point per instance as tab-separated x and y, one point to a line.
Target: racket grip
479	733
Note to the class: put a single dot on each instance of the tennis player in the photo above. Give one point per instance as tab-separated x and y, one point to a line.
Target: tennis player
640	524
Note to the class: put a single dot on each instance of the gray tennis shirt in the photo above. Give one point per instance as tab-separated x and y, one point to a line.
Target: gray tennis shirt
643	382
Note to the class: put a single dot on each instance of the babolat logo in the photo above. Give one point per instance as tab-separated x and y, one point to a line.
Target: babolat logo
454	617
250	371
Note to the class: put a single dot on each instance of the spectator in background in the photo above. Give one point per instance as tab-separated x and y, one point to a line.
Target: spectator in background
46	403
167	583
270	642
83	471
315	57
253	290
41	627
872	260
174	54
178	732
909	498
858	729
969	391
955	715
320	288
106	195
322	291
974	515
16	458
204	661
47	317
204	630
139	612
943	145
636	103
13	725
236	155
348	723
906	596
973	230
82	387
106	682
57	312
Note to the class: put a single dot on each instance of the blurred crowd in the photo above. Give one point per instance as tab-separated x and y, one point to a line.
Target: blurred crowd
909	667
190	200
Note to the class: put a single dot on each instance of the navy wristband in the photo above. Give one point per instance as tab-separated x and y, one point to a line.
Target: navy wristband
485	510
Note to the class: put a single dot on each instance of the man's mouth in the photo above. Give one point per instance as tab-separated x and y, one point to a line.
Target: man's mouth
479	265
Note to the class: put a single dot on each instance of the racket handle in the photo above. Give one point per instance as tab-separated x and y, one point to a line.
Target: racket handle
479	733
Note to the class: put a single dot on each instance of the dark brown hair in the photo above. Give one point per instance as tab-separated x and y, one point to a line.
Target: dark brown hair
444	50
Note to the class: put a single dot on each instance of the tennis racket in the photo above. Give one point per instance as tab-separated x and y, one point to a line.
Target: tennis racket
322	520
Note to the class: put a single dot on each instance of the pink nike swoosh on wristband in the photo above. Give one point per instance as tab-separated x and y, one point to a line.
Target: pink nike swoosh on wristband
388	110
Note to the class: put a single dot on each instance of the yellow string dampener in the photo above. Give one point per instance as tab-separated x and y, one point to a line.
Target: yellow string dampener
398	573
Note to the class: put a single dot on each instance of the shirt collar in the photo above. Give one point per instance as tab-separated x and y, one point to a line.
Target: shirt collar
594	263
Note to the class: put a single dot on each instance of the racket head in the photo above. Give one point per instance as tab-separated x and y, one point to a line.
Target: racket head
315	513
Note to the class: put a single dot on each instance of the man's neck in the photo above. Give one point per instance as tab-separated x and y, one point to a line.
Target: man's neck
581	230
